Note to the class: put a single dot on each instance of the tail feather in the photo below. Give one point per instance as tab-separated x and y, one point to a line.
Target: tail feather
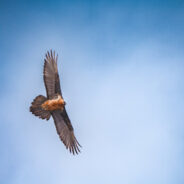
36	108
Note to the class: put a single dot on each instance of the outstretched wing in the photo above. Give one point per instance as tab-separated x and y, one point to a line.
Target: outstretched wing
65	130
50	74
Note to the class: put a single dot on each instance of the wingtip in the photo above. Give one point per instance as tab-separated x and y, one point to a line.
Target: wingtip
51	54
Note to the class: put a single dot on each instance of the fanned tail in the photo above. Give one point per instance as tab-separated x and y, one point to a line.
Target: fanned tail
36	108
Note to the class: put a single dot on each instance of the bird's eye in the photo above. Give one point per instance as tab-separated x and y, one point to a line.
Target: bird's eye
55	97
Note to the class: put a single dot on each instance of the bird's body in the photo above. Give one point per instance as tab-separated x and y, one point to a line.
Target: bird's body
54	104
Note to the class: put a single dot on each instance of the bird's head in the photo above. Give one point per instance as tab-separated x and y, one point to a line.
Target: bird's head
59	99
56	97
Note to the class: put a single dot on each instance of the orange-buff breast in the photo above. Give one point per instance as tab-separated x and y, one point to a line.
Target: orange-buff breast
54	104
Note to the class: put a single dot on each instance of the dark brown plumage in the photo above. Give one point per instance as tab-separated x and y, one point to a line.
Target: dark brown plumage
54	104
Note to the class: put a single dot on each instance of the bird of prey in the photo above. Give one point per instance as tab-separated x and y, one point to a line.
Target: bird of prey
54	104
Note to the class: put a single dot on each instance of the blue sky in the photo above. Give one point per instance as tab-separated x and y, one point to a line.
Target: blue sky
121	69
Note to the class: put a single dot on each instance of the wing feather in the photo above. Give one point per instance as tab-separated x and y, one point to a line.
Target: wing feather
51	76
65	130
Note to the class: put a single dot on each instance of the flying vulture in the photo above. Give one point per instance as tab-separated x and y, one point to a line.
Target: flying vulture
54	104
